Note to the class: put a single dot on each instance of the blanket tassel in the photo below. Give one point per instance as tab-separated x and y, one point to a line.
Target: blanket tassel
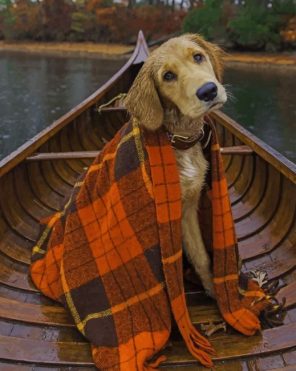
201	355
197	344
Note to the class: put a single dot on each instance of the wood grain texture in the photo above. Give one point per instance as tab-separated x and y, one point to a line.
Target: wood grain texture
228	347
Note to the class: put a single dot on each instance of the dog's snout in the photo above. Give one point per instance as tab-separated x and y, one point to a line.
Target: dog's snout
207	92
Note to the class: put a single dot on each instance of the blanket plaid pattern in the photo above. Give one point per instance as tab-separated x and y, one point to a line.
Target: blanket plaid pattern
239	298
113	255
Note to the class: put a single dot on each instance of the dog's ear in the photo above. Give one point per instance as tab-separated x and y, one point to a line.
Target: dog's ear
214	52
142	100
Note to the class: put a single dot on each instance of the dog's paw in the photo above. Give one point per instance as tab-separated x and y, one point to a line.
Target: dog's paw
211	293
209	289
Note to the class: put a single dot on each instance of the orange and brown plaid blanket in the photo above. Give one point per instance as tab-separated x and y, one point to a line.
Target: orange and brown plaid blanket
113	255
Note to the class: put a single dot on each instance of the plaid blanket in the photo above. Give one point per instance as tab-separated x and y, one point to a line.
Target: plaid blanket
113	255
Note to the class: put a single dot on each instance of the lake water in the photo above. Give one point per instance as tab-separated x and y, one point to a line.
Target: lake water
35	90
265	104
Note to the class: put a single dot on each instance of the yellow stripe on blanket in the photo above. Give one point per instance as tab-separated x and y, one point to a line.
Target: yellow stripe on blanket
119	307
229	277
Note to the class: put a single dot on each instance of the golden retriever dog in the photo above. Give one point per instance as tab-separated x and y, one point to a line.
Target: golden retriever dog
177	86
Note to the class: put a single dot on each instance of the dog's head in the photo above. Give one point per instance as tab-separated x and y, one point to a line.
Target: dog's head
185	72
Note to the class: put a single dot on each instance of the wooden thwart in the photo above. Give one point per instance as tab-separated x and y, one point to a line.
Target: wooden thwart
231	346
34	313
57	316
63	155
235	150
228	347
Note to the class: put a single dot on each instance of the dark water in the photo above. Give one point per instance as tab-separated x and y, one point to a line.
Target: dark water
265	103
35	90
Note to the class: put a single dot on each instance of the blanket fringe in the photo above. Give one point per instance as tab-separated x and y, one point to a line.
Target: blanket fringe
200	354
196	336
197	344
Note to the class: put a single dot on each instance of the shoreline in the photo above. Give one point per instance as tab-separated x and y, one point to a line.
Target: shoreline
261	60
85	49
95	50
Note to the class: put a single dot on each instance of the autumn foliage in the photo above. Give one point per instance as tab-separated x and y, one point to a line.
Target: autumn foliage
124	23
89	20
242	24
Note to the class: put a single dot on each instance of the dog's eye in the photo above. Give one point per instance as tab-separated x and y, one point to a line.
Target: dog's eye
169	76
198	57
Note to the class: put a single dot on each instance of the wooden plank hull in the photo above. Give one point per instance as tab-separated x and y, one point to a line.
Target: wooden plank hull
36	332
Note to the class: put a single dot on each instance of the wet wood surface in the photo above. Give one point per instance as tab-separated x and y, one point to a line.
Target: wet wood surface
228	346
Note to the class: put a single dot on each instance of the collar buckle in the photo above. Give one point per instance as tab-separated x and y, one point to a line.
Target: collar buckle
186	142
176	137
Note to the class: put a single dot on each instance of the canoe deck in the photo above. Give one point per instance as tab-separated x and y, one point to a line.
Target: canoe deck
38	334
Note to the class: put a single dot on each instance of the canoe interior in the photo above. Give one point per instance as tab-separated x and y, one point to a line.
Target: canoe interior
36	333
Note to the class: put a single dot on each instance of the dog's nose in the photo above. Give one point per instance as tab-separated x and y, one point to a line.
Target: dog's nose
207	92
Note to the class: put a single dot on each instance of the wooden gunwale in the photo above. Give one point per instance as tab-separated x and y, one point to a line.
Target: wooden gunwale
270	155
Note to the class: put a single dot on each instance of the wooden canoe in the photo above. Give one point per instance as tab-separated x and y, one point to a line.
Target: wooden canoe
36	333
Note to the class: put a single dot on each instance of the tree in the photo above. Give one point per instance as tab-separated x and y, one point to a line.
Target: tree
19	19
255	27
56	19
206	20
4	4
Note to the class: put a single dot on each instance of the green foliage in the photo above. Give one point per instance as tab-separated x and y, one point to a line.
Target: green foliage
8	23
82	25
284	7
4	4
206	20
255	27
6	19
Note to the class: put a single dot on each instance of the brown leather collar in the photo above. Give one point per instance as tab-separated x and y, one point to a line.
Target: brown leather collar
182	142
